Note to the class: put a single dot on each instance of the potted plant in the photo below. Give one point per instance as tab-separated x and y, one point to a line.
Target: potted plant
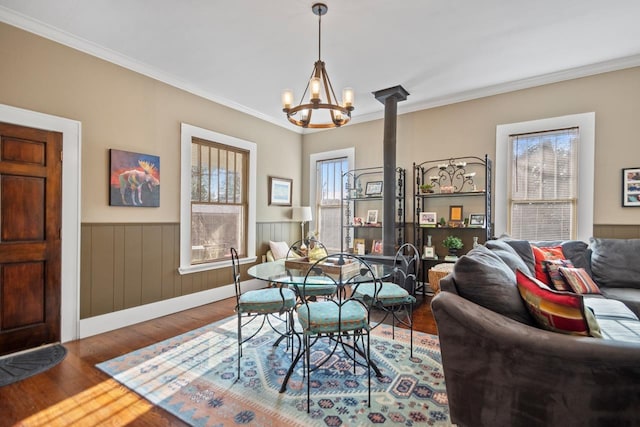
426	188
453	244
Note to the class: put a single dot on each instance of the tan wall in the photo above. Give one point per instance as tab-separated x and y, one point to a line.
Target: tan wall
122	109
469	128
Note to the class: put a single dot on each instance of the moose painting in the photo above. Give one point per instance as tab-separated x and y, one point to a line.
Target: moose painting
134	179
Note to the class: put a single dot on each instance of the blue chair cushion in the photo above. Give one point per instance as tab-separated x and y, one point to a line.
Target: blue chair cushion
269	300
314	286
322	317
389	294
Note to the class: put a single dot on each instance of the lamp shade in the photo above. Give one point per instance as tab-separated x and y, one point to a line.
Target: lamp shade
302	213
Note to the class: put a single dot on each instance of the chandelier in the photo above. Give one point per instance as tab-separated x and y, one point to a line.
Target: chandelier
329	113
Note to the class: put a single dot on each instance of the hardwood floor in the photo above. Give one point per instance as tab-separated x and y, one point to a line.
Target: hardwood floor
76	393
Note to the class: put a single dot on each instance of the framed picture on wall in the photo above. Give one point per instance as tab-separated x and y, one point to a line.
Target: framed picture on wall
134	179
280	191
631	187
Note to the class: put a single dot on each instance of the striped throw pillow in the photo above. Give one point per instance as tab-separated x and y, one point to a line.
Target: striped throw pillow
579	280
556	279
556	311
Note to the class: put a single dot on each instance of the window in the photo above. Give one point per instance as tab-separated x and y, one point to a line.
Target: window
543	185
329	195
325	191
544	178
217	199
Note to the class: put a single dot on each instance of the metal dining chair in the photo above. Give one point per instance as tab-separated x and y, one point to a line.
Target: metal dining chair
268	305
396	298
309	251
343	320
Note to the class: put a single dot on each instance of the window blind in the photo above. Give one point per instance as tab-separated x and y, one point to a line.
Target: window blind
543	185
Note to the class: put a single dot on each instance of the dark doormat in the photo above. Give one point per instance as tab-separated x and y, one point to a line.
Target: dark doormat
22	365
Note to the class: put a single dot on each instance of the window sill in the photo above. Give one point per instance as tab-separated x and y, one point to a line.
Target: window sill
197	268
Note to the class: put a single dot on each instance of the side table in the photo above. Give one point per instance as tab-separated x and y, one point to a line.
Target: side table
438	272
426	265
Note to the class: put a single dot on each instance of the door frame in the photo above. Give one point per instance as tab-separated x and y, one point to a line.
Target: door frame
70	269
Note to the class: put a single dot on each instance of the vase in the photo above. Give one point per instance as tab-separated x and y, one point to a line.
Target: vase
475	242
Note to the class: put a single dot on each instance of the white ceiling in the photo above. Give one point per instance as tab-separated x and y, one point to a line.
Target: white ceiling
243	53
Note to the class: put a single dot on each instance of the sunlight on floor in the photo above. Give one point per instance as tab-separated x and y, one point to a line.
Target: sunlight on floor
94	406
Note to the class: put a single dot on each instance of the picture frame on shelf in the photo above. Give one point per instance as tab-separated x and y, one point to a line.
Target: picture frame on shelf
631	187
455	215
373	188
428	219
476	220
372	216
428	252
376	247
359	246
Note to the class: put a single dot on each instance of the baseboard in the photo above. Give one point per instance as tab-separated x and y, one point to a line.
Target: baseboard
119	319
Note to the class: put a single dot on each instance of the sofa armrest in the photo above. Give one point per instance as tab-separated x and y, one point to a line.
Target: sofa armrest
499	372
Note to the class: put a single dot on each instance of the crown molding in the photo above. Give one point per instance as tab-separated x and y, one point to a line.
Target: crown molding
47	31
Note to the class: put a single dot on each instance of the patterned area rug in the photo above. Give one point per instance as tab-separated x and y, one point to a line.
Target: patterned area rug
193	377
26	364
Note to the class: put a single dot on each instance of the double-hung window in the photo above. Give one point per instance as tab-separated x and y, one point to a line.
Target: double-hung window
543	184
328	198
217	199
544	178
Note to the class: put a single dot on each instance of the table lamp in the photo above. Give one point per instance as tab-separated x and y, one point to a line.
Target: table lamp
302	214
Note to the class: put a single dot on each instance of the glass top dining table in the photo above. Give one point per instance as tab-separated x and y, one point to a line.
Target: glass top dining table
291	274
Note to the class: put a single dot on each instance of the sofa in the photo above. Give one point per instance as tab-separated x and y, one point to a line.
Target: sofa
506	364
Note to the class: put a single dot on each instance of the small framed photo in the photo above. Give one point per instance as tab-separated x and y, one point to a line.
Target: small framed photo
476	220
428	219
359	246
428	252
373	188
631	187
372	216
376	247
280	191
357	221
455	214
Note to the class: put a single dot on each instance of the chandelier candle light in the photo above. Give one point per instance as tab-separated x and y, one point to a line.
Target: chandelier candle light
338	115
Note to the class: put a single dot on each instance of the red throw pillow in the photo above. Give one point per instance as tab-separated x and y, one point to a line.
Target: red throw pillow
556	311
545	253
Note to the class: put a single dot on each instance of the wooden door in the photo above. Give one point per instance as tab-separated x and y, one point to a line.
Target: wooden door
30	220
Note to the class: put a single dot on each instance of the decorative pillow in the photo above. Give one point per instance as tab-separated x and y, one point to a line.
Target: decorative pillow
556	311
579	280
279	249
543	253
482	277
556	279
